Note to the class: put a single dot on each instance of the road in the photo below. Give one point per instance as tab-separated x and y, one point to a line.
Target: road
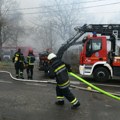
35	101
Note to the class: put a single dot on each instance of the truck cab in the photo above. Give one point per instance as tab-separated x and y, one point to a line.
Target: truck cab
94	50
96	60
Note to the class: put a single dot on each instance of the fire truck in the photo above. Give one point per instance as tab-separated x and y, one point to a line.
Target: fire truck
95	58
43	61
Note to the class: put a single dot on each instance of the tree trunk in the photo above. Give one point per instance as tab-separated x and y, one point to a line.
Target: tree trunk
0	42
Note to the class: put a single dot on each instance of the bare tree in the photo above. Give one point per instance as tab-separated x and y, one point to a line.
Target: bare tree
44	34
9	21
57	23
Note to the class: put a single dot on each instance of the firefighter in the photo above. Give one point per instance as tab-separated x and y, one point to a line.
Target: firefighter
19	62
30	63
58	70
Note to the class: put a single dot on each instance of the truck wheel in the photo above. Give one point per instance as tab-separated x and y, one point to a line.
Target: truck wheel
101	74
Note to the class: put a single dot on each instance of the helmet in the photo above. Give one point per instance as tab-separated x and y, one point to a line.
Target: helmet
30	51
19	49
51	56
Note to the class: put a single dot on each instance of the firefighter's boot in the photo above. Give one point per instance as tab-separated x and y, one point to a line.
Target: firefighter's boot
59	102
75	106
31	77
28	76
17	76
21	75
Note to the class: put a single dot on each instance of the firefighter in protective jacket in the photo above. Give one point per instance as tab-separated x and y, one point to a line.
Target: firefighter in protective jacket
58	70
19	62
30	63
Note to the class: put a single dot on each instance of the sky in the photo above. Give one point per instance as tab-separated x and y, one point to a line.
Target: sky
91	12
103	14
28	3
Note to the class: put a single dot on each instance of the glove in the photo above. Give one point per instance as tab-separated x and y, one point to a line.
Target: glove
69	69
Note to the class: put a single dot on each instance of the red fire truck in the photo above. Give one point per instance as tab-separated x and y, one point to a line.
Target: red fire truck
95	58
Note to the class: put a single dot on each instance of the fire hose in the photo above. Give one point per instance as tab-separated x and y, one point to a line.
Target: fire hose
97	89
94	87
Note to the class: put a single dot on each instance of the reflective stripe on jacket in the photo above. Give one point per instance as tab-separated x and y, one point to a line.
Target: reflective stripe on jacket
18	57
59	69
30	59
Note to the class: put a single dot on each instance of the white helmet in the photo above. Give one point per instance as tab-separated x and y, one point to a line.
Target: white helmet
51	56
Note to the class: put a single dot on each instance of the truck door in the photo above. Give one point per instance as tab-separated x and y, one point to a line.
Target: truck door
95	50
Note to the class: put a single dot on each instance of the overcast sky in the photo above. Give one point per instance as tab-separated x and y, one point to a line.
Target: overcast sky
28	3
108	13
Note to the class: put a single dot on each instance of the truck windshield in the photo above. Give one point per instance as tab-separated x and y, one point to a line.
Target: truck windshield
96	45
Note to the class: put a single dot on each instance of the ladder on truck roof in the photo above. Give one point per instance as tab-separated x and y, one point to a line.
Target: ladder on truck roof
112	30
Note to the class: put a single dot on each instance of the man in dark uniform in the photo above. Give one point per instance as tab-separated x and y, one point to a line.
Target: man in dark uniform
30	63
58	70
19	61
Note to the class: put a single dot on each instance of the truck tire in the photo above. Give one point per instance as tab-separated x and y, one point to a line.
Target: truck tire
101	74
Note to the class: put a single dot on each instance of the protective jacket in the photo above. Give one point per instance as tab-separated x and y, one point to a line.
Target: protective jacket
19	61
58	70
30	59
18	57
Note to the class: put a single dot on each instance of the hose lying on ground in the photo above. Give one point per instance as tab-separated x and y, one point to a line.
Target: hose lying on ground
97	90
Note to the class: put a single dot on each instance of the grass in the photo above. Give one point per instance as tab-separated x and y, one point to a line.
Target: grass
5	64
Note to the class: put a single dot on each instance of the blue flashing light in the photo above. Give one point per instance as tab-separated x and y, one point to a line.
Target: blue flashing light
94	34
